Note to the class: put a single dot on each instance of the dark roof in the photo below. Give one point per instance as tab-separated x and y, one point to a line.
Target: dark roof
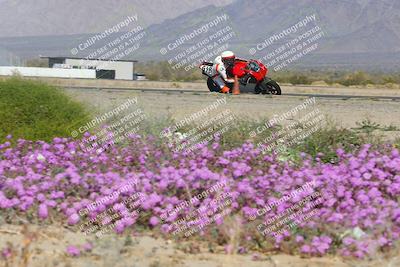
121	60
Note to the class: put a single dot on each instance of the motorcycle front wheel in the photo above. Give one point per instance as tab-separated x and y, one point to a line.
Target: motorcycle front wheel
269	86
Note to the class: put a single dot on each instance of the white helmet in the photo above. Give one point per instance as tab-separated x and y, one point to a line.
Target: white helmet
228	57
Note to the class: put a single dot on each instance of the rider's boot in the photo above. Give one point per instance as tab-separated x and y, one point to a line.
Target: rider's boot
225	89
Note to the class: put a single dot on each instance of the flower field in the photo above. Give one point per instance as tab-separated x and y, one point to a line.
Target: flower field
358	214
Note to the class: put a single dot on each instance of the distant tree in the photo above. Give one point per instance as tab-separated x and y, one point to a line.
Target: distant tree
37	62
163	71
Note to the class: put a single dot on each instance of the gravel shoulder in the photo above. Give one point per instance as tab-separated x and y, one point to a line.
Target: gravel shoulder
345	113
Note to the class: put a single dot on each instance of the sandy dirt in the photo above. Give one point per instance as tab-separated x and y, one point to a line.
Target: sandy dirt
45	246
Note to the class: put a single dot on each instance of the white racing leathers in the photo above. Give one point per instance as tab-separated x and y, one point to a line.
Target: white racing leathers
218	73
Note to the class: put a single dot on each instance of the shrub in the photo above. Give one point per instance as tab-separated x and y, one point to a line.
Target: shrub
36	111
299	79
357	78
325	141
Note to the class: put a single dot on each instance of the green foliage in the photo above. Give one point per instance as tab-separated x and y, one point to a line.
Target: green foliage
240	132
367	126
357	78
397	143
36	111
390	79
299	79
291	77
325	141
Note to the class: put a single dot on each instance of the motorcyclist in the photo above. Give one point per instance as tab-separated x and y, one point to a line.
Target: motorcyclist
222	72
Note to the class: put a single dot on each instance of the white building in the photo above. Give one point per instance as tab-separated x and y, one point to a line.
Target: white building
105	69
48	72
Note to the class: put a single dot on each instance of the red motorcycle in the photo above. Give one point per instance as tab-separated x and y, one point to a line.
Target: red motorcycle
252	77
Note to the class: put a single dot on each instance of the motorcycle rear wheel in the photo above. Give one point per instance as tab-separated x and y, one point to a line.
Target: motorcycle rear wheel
212	86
